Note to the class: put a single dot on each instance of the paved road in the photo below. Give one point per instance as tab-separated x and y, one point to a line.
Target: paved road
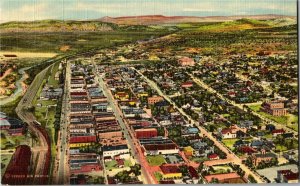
28	117
230	156
61	171
128	136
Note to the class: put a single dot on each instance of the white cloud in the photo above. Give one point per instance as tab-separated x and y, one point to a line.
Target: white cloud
28	12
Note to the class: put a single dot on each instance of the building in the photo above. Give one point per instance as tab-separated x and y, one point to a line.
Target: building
146	133
79	141
186	61
170	171
118	150
158	145
277	132
13	126
154	99
263	156
275	108
287	176
228	133
232	177
17	171
187	84
188	151
213	156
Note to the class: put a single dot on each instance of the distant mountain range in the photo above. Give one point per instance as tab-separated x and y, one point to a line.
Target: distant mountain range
107	24
160	19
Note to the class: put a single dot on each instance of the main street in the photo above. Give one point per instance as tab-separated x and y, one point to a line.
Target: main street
129	136
61	169
230	156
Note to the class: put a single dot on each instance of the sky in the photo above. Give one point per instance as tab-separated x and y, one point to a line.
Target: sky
30	10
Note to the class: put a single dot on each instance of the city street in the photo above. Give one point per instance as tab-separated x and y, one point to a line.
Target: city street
61	170
231	157
128	135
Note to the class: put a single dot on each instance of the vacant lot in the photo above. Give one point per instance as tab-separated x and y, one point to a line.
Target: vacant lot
156	160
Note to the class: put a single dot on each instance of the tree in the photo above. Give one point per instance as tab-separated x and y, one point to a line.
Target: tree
214	180
136	169
251	179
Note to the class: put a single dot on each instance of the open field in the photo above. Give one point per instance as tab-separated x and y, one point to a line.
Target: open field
290	120
28	54
57	42
229	143
156	160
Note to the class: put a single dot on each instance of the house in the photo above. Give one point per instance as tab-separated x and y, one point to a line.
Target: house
277	132
288	135
228	133
122	95
275	108
154	99
186	61
213	156
247	150
170	171
263	156
270	127
187	84
256	144
188	151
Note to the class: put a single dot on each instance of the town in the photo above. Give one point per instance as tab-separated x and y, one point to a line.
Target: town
185	103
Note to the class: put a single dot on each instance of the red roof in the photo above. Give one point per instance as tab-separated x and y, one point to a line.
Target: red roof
225	131
188	83
222	177
186	59
292	176
169	169
120	162
284	172
213	156
78	93
18	168
83	139
247	149
278	131
193	172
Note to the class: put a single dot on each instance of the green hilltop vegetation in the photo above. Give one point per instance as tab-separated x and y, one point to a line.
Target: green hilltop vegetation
52	35
70	26
237	25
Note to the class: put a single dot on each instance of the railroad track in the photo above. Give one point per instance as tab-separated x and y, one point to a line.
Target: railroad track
25	115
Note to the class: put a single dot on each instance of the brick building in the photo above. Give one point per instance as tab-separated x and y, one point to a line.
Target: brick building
275	108
154	99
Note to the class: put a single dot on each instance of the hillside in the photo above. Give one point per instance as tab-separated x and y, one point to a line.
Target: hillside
160	19
147	23
56	26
